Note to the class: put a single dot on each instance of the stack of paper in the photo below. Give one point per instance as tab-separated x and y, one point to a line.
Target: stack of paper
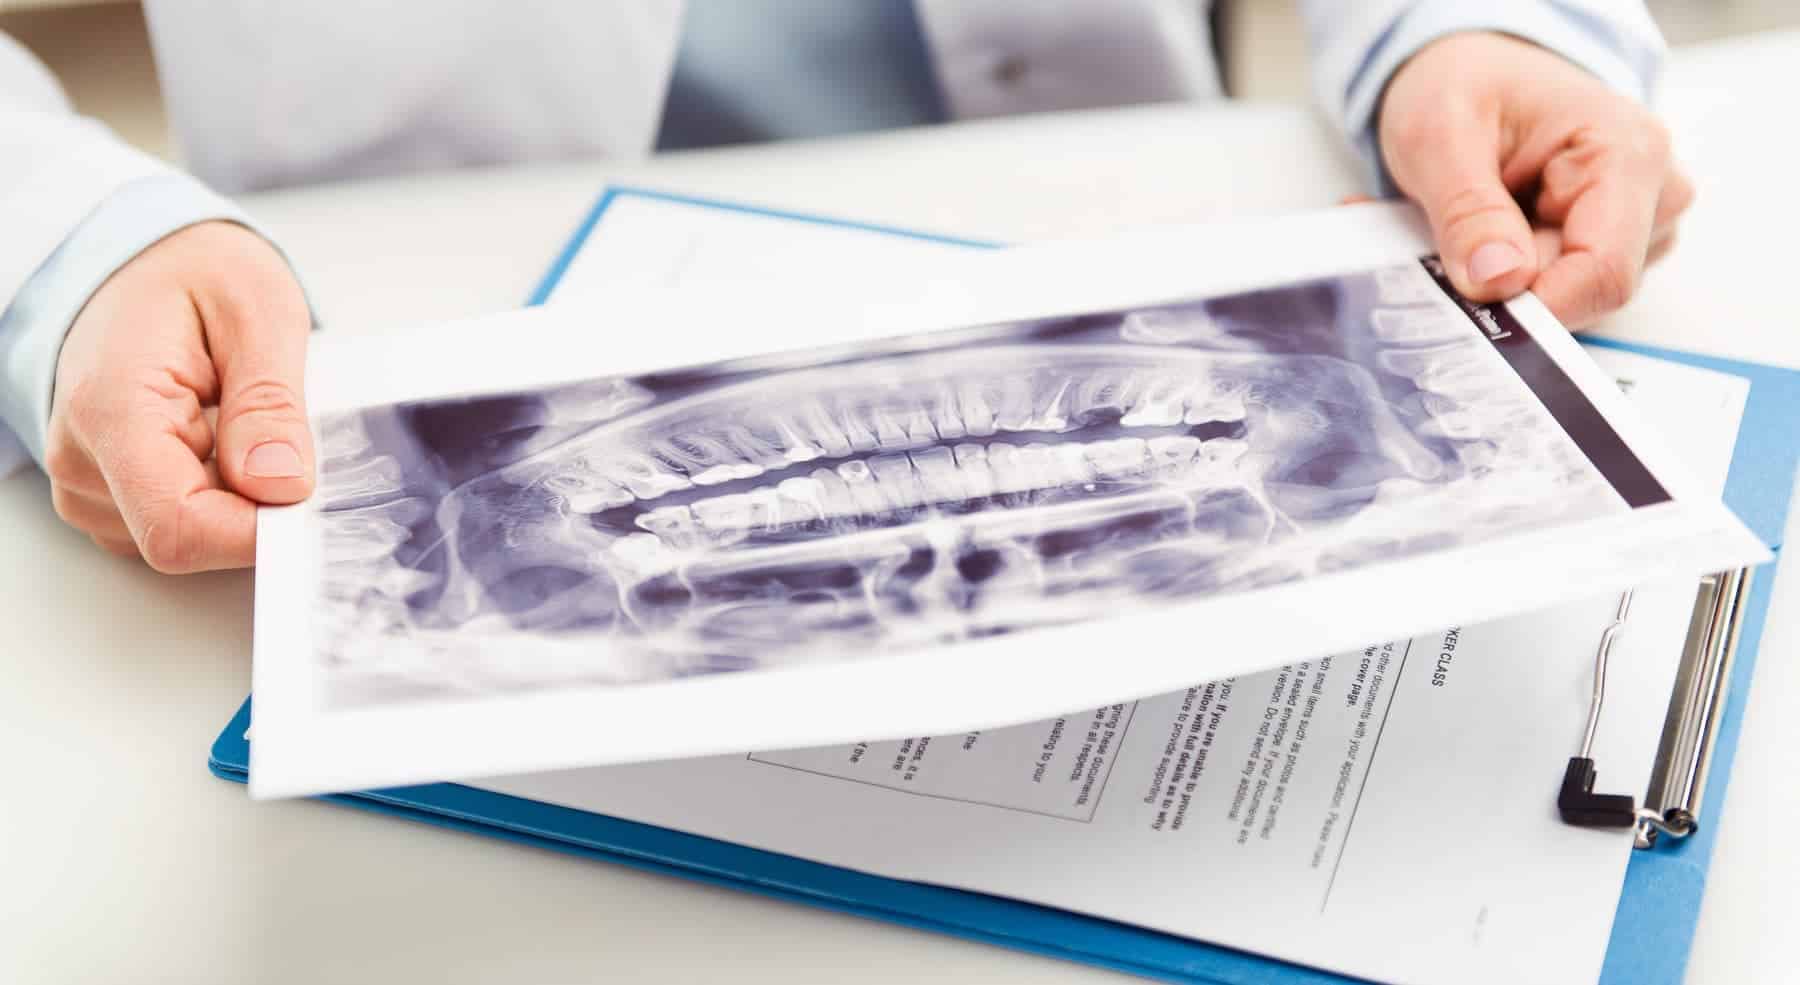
932	558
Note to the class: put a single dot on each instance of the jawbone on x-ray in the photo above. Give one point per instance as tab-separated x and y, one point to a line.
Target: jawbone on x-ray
826	506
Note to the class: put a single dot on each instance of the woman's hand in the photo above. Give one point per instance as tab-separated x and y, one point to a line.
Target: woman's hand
1535	174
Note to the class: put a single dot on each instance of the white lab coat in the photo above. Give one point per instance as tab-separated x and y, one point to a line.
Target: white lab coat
265	94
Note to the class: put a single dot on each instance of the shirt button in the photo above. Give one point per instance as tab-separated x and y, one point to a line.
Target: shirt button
1010	71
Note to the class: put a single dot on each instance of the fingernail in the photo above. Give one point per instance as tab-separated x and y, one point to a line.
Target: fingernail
273	460
1494	261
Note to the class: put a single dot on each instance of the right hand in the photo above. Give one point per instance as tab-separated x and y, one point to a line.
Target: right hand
1476	118
209	316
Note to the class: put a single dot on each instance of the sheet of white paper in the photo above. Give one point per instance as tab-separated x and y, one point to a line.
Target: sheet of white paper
664	242
1386	813
1340	452
1337	848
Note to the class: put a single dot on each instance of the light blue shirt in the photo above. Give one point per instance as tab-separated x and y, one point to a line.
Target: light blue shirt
33	326
746	70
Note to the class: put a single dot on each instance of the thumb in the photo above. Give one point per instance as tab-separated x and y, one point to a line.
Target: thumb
264	444
1484	239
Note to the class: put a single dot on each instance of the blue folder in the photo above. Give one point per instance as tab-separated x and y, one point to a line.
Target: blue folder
1657	909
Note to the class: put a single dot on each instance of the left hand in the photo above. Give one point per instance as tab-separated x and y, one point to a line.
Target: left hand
1476	124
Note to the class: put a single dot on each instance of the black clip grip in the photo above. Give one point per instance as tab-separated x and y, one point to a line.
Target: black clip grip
1580	805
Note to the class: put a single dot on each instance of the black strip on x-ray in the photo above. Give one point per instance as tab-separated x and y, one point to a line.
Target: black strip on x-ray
1579	419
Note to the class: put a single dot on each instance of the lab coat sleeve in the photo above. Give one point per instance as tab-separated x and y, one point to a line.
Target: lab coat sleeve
76	203
1357	47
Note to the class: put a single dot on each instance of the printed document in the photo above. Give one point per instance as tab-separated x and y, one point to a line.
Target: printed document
1385	812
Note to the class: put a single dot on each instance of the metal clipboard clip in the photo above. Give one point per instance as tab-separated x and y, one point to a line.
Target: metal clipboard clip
1671	805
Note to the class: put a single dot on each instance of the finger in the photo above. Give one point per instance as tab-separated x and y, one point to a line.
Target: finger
71	468
194	426
179	521
1452	169
1661	245
1548	242
1673	199
1606	241
1676	197
258	343
91	516
1356	200
122	547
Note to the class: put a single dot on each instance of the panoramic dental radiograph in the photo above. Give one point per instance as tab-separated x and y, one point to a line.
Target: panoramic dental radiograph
830	505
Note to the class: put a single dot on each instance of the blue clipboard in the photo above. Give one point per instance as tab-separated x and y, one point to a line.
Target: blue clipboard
1658	908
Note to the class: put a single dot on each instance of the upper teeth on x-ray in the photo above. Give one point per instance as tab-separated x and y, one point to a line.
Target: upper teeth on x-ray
928	489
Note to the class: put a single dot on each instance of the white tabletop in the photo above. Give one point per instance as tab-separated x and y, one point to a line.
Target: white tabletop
122	859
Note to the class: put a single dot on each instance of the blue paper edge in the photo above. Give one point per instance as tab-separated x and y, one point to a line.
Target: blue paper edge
613	193
1659	906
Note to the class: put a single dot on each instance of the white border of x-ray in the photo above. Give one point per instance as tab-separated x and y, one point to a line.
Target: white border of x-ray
304	746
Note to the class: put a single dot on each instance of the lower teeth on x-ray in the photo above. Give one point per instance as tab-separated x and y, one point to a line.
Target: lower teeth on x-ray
761	513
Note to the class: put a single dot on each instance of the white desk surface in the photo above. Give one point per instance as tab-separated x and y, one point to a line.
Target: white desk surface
122	859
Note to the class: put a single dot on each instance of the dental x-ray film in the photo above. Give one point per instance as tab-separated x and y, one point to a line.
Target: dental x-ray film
945	530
